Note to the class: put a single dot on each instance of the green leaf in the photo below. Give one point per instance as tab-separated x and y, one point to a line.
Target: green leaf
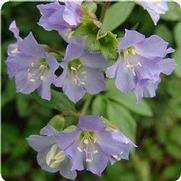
58	101
108	45
99	106
88	27
116	15
9	93
122	119
176	55
174	12
57	122
164	32
129	102
177	32
89	6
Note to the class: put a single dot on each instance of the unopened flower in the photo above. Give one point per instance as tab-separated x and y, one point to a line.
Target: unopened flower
92	145
59	17
31	66
154	7
140	63
81	72
50	157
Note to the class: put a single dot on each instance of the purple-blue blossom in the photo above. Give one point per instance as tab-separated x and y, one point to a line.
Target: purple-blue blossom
141	61
91	145
60	17
81	72
154	7
30	65
50	157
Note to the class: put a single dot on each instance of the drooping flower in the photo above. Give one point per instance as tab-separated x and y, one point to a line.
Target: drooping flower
31	66
59	17
81	72
154	7
50	157
92	145
140	63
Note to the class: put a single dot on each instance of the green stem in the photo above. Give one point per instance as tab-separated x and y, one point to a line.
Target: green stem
141	166
86	105
103	10
70	113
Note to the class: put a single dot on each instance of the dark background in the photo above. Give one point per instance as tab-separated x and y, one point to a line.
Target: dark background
158	136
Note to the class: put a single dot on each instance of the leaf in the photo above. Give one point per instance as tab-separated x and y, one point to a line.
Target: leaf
164	32
128	101
9	93
177	32
88	27
58	101
177	56
174	12
99	106
122	119
116	15
57	122
108	45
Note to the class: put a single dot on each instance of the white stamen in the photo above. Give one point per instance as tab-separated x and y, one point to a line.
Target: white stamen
42	67
32	80
32	64
88	160
41	77
79	149
15	50
73	68
86	141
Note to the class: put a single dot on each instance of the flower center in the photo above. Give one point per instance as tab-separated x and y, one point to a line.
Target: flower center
54	157
129	58
38	70
77	71
87	145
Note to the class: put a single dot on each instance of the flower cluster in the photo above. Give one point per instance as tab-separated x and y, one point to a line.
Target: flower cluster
140	61
81	148
32	67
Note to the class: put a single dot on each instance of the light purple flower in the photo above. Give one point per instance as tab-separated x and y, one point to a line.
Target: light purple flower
59	17
81	72
92	145
31	66
50	157
140	63
154	7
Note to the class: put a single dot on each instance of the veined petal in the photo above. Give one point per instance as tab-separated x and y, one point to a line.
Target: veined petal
94	82
91	123
39	143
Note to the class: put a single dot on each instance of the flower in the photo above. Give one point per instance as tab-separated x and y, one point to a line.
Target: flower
140	63
59	17
50	157
92	145
154	7
81	72
31	66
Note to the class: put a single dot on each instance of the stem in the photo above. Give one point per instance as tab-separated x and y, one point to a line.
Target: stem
86	105
70	113
141	166
103	10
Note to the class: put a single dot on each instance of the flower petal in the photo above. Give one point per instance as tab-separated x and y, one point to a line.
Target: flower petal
167	66
92	123
39	143
94	82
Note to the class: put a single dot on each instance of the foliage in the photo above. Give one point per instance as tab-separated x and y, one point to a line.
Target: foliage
153	124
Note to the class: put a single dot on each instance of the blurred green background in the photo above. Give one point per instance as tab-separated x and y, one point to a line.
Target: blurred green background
154	124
